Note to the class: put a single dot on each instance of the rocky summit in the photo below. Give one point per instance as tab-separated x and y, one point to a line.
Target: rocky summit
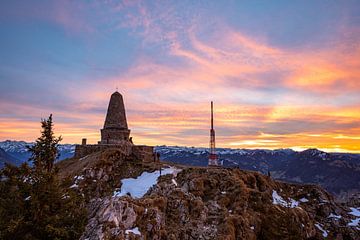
128	199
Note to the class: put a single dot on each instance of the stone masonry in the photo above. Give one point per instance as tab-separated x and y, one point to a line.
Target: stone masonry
115	129
115	134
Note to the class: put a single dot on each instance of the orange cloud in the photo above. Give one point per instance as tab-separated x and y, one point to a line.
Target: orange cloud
169	104
265	96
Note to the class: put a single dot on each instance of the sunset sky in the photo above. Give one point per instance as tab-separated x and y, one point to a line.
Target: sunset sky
282	74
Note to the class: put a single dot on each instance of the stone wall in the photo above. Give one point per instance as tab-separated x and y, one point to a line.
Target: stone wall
146	153
114	136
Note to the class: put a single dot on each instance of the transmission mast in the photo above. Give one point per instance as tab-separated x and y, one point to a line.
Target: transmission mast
213	158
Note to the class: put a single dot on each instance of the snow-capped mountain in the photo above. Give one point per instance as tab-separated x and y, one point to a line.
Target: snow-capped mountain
136	197
339	173
6	158
18	150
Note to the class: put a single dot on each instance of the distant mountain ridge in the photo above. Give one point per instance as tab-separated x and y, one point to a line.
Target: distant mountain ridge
7	158
338	173
19	153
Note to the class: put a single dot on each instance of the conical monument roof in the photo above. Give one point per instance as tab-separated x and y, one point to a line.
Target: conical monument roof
116	117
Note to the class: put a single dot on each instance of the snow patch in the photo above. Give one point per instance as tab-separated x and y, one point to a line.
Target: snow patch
134	231
293	203
278	200
174	182
76	182
355	212
324	232
78	178
65	196
28	180
354	222
137	187
337	217
304	200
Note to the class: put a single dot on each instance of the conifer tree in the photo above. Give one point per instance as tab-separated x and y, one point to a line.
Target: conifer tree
44	151
33	202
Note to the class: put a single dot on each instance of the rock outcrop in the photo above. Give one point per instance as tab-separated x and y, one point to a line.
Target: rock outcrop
337	173
205	203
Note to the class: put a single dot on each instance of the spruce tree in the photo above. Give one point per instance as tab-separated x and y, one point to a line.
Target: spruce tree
34	204
44	151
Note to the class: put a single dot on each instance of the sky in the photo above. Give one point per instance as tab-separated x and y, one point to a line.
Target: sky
282	74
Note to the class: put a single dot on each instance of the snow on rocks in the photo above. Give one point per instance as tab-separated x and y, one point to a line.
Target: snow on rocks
354	222
28	180
137	187
337	217
65	196
293	203
278	200
355	212
76	182
78	178
174	182
324	232
134	231
304	200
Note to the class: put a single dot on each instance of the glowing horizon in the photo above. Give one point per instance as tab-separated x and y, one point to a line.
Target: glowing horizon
290	81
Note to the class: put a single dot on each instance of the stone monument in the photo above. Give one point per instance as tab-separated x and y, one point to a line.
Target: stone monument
116	134
115	129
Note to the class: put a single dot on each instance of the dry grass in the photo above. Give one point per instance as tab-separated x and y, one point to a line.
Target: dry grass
72	166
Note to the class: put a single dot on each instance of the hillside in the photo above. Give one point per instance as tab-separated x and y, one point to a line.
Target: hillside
200	202
338	173
7	158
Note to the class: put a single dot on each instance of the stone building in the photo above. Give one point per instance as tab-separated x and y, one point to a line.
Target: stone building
115	129
116	134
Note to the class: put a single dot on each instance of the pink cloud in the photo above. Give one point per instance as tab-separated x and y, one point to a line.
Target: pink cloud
167	103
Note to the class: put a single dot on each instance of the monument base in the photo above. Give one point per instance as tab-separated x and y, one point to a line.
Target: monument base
145	153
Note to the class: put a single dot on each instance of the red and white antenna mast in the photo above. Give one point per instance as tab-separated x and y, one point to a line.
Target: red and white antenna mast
213	158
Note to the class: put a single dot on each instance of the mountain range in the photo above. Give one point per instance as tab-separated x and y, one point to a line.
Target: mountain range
177	198
338	173
7	158
17	153
131	199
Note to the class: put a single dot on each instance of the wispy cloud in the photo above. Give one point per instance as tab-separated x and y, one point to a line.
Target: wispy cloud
266	95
